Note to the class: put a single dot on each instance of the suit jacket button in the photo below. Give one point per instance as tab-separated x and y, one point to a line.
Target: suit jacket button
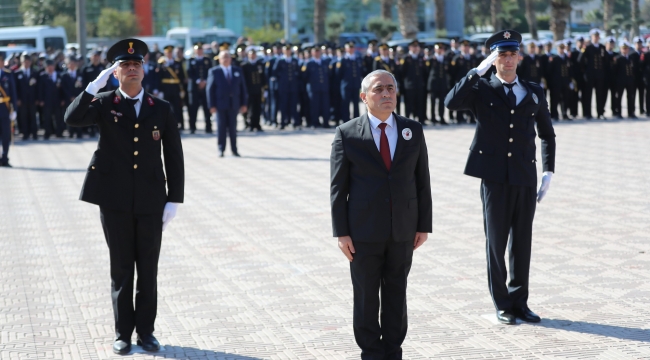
512	111
92	167
137	126
510	140
135	139
490	104
533	114
480	151
135	153
509	154
135	166
533	160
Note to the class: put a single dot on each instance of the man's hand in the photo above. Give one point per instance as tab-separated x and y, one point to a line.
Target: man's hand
543	187
243	109
202	84
485	65
345	244
213	110
169	213
420	238
102	79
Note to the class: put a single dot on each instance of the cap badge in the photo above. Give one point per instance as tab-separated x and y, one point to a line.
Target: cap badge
506	34
131	49
407	134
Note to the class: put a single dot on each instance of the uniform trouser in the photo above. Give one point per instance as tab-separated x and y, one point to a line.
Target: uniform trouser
319	105
227	126
614	106
630	90
349	95
559	98
254	110
413	104
598	84
398	108
576	98
640	87
508	212
176	103
305	112
335	104
288	107
27	120
52	121
199	98
133	239
379	272
273	104
5	134
440	96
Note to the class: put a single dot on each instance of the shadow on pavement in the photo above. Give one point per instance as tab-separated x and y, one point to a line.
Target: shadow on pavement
283	158
47	169
183	352
611	331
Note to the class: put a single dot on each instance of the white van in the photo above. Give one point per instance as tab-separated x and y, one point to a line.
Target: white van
219	35
41	38
185	37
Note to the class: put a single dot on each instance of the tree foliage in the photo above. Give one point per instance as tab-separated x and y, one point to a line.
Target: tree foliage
117	24
268	34
43	12
68	23
334	26
382	28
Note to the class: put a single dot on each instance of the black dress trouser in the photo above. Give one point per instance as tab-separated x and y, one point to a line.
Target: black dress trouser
134	243
379	270
508	212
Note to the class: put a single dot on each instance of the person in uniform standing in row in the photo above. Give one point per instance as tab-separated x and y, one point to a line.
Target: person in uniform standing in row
125	177
171	78
610	81
624	72
227	96
413	71
316	75
197	73
27	89
503	156
287	72
438	82
51	99
348	72
578	76
272	81
88	74
8	106
559	81
638	72
72	86
593	59
253	69
460	65
150	80
369	57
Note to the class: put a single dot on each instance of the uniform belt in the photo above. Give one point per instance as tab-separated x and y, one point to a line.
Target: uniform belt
4	99
170	81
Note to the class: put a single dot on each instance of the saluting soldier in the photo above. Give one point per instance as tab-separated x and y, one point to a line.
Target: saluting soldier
171	79
26	86
413	71
559	81
316	75
461	64
349	72
438	82
623	70
197	73
593	59
287	71
125	177
8	106
253	69
503	155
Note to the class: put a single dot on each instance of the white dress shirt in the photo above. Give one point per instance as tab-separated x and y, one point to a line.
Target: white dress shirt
227	72
519	89
137	105
391	132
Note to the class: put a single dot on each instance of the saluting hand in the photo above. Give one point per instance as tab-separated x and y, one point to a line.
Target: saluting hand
345	244
420	238
102	79
485	65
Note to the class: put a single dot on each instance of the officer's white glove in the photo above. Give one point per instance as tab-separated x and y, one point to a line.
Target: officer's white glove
102	79
486	64
543	187
169	213
12	116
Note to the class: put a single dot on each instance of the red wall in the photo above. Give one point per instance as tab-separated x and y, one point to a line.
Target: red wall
144	12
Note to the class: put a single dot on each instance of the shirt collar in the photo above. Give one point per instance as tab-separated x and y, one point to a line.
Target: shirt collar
504	82
374	122
139	96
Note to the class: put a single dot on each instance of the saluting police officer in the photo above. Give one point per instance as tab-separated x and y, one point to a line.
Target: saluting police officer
503	156
8	108
171	79
197	72
126	179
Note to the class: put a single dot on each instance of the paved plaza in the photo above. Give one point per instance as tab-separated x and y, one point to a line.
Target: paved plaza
249	269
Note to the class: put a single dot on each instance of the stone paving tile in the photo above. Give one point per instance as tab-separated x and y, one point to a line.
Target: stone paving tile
249	269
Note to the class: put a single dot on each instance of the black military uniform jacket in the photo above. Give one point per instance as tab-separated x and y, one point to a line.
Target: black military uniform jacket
197	69
461	65
413	72
594	59
380	64
171	78
559	72
126	171
531	69
254	76
438	79
503	149
623	70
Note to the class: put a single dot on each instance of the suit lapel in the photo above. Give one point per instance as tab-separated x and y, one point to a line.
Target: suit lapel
368	140
400	125
498	88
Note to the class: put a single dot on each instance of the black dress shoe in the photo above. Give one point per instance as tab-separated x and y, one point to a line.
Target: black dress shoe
506	317
121	347
148	343
526	315
236	154
221	154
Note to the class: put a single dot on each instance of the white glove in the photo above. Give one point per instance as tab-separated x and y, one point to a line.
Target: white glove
571	86
486	64
12	116
102	79
545	184
169	213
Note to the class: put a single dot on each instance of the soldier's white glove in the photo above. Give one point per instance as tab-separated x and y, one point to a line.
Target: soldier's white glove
12	116
545	184
486	64
169	213
102	79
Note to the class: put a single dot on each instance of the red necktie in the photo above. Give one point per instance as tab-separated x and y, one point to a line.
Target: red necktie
384	148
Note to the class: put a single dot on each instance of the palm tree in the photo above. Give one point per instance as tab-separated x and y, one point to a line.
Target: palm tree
495	11
387	9
560	11
635	18
530	17
407	11
608	12
320	9
440	14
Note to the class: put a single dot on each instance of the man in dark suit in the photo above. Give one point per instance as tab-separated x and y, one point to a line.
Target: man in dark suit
227	96
125	177
503	156
197	72
381	212
26	86
50	96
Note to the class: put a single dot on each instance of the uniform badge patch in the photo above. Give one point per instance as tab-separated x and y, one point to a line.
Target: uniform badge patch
535	99
407	134
156	135
116	100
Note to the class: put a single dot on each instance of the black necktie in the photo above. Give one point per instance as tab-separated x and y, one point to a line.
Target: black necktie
511	95
132	102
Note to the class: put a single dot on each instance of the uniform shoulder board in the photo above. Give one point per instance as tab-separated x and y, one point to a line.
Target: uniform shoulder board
453	63
401	61
428	62
268	64
304	68
216	57
378	58
338	65
583	49
7	70
161	60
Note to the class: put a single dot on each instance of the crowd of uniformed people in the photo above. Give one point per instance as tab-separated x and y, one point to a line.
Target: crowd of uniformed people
318	85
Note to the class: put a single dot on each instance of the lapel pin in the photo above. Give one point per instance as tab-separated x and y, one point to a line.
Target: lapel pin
116	100
150	100
407	134
535	99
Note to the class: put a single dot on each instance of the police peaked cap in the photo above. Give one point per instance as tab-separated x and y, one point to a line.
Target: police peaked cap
127	49
504	40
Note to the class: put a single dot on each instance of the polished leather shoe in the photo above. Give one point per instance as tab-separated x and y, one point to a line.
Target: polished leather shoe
221	154
148	343
506	317
526	315
236	154
121	347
